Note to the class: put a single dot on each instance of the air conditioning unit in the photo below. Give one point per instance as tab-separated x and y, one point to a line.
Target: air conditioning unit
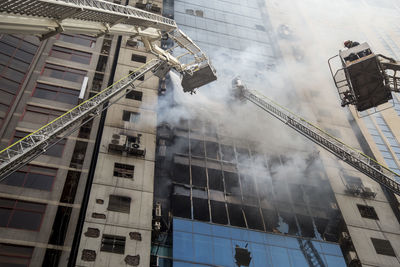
134	146
368	192
158	209
118	142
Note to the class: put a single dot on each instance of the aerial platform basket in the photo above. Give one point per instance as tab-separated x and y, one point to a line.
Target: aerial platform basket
362	80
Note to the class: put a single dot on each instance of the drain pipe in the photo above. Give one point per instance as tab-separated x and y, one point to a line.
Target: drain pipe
85	201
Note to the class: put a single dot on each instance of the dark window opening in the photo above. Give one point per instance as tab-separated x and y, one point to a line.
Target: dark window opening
215	179
113	244
236	215
102	64
64	73
181	174
383	247
218	212
119	204
197	148
97	82
60	226
212	150
135	95
199	176
78	156
232	183
130	116
181	145
106	47
70	187
84	131
306	226
141	78
15	255
32	176
200	209
228	154
271	220
181	206
367	212
253	218
287	223
138	58
21	214
123	170
52	257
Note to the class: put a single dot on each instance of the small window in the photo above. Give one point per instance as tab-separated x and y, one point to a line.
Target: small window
199	13
138	58
190	11
123	170
135	95
113	244
130	116
383	247
260	28
119	204
367	212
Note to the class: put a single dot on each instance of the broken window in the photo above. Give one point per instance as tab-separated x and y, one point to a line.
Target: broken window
271	220
215	179
218	212
181	173
200	209
97	82
236	215
138	58
367	212
134	95
102	64
212	150
78	156
105	48
113	244
253	218
197	148
130	116
383	247
243	155
248	186
123	170
119	204
60	226
232	183
199	176
181	145
181	206
227	153
306	226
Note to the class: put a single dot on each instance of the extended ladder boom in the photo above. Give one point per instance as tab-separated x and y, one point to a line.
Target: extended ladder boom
34	144
358	160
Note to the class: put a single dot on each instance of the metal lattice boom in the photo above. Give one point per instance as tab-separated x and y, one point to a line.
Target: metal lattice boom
32	145
358	160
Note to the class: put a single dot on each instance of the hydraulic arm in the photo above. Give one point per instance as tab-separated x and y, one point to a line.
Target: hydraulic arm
358	160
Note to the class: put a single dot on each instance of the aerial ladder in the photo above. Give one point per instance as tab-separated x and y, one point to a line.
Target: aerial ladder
46	18
357	159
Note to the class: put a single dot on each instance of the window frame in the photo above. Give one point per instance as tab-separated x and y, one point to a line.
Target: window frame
57	91
16	255
117	203
388	251
64	70
113	240
367	212
92	40
125	170
70	54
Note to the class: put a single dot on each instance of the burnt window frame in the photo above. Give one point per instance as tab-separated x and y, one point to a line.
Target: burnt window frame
123	167
33	169
14	208
118	203
117	243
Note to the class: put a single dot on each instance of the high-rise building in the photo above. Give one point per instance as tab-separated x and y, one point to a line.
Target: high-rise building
206	180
